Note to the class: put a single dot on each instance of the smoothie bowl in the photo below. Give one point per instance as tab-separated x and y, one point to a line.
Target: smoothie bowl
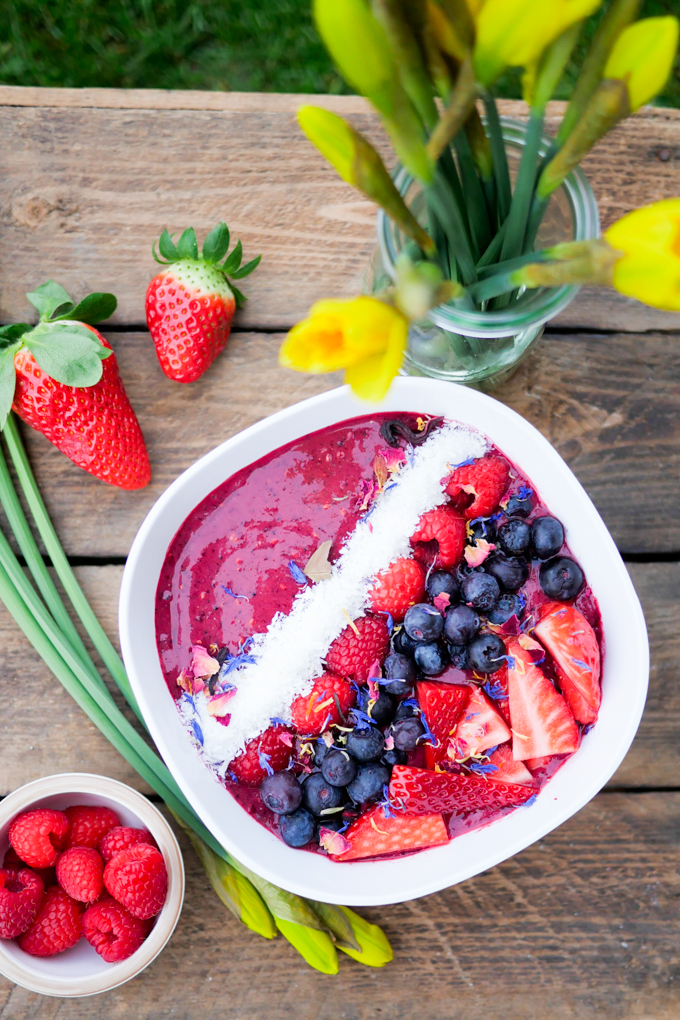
383	651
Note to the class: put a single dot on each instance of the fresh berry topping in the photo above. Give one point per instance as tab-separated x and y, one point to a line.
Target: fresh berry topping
366	743
508	605
38	836
407	732
514	536
326	705
281	793
479	728
458	656
424	623
420	791
507	769
482	528
571	641
542	722
441	581
338	767
20	895
481	591
89	824
373	835
318	795
442	706
547	537
297	829
401	673
120	837
486	653
510	572
394	757
461	623
368	783
137	878
561	578
431	658
356	649
439	538
399	586
519	505
57	925
113	931
477	488
270	752
80	873
402	643
382	709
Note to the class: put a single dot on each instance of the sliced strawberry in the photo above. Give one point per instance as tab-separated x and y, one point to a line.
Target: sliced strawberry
421	792
477	488
542	722
442	705
325	705
479	728
571	641
373	835
439	537
401	585
537	763
496	688
507	769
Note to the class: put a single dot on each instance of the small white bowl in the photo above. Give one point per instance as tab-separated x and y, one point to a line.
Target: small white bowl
624	681
80	971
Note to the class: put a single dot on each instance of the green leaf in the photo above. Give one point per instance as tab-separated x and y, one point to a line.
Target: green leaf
216	244
49	298
247	269
93	308
187	246
231	264
68	353
166	247
337	923
7	381
315	946
240	297
9	334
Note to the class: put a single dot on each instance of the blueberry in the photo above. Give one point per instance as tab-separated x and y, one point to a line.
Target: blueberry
321	749
507	606
458	655
399	669
297	829
481	590
338	767
369	782
405	711
510	572
281	792
441	581
482	527
431	658
394	757
333	822
423	622
403	644
382	711
516	507
547	536
366	744
514	536
485	653
561	578
461	624
406	733
318	793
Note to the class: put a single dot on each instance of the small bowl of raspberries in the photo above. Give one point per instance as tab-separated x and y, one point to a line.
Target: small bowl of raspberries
91	884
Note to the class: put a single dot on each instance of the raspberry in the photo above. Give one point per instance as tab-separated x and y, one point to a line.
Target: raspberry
137	878
57	925
89	824
120	838
352	654
37	836
401	585
79	873
20	896
269	749
439	538
324	706
113	931
485	481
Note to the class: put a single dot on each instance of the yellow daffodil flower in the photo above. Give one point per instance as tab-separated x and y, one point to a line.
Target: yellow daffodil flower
643	57
649	268
363	335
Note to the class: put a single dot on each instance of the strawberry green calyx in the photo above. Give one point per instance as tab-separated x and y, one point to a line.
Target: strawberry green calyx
215	249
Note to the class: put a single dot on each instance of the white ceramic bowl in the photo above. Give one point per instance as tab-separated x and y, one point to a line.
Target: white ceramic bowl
624	682
81	971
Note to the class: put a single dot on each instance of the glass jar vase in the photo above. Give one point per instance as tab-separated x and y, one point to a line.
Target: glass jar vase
484	348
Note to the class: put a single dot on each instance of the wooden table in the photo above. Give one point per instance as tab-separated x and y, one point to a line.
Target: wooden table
584	924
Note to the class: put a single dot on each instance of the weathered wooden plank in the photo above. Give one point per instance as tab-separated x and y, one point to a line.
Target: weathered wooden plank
582	926
90	177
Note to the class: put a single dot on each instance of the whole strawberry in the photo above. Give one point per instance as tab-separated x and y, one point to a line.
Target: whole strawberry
190	305
61	377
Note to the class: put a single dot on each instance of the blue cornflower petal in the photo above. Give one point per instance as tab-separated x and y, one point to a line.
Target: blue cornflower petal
298	575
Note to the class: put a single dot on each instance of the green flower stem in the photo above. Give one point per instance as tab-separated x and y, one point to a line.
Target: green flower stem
494	249
536	214
493	286
442	202
475	201
500	159
524	189
505	267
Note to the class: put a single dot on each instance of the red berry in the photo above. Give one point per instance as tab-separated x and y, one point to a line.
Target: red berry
372	835
420	791
113	931
38	836
272	748
324	706
137	878
477	488
442	705
20	896
571	641
439	539
57	925
120	838
401	585
79	873
89	824
542	722
354	652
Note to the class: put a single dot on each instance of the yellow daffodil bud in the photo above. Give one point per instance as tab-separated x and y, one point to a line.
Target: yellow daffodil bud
363	335
643	57
649	266
421	286
514	33
452	25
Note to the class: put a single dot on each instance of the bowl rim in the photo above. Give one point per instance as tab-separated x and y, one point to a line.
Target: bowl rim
380	882
116	974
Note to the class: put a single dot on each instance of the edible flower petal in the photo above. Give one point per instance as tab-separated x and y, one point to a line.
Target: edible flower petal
218	703
202	663
442	601
476	554
334	842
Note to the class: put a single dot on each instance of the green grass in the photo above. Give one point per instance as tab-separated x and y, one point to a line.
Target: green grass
252	45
